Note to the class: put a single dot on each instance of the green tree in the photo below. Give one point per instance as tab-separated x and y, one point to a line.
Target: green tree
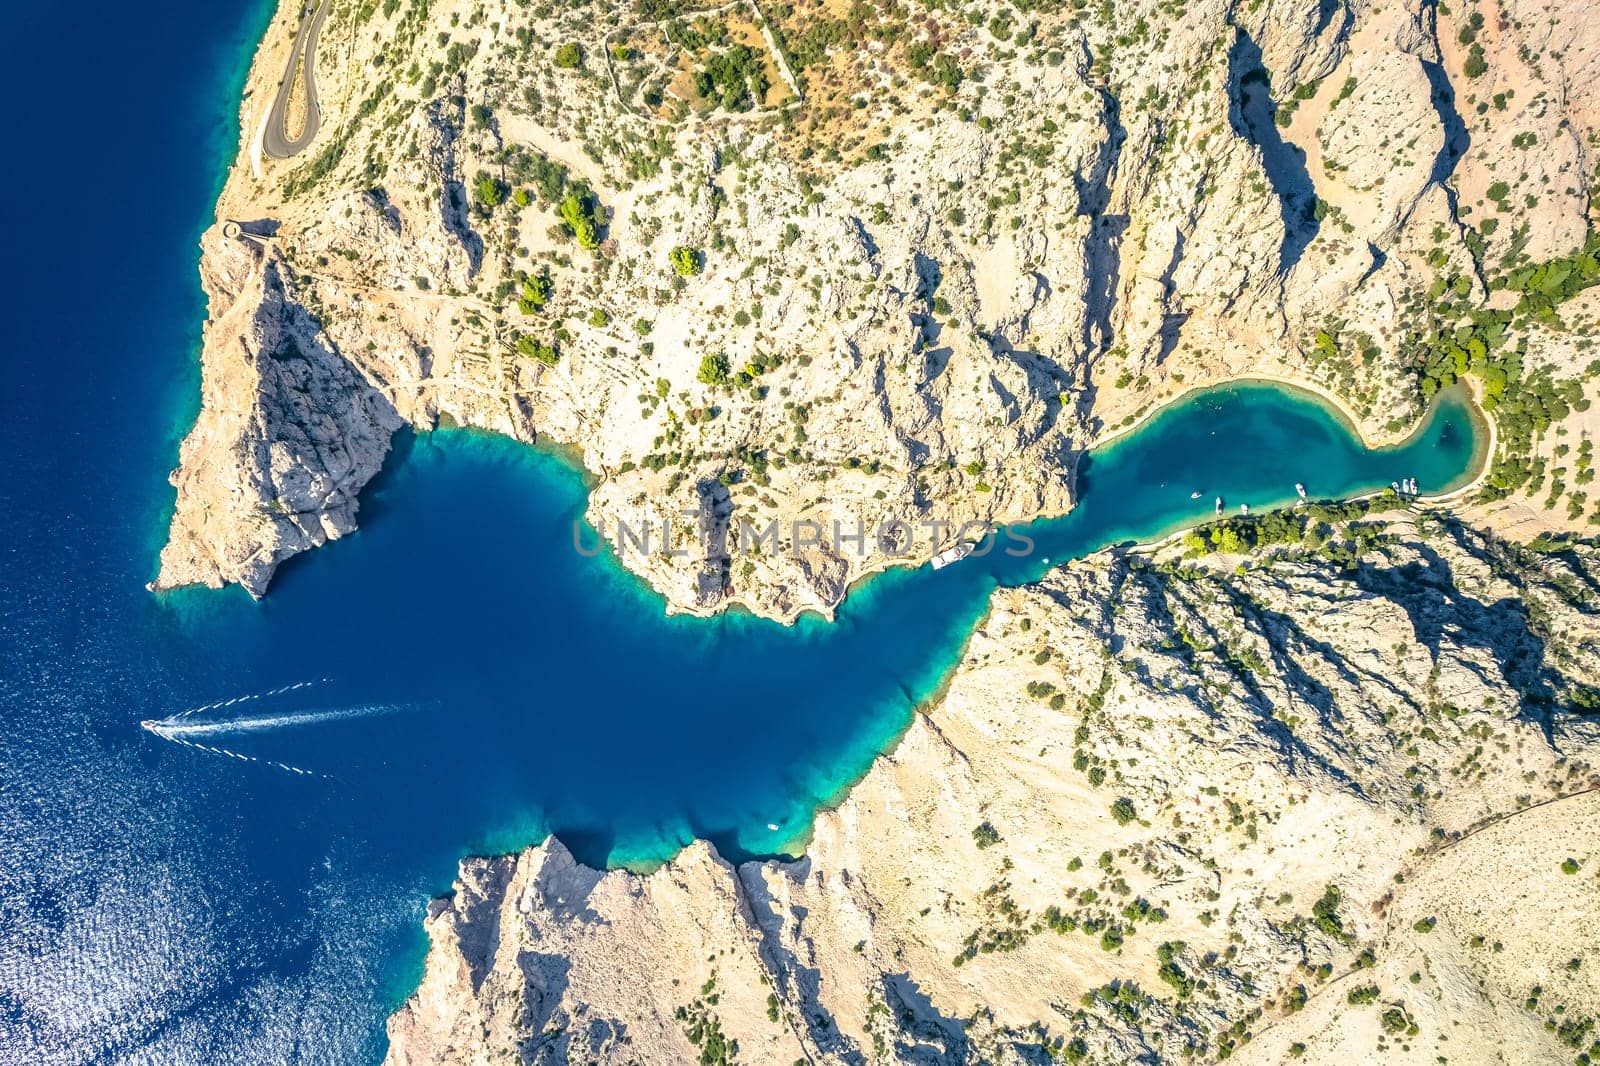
1227	540
578	212
569	56
686	261
536	291
489	191
714	369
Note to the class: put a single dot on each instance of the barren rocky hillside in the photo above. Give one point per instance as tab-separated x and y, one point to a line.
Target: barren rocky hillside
818	260
1333	802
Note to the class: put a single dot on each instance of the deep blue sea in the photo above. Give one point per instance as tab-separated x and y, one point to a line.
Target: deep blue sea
453	678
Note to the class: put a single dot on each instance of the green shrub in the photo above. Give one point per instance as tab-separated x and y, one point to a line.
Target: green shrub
714	369
686	261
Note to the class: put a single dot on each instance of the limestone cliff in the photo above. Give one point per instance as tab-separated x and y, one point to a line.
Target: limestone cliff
1331	803
288	432
810	262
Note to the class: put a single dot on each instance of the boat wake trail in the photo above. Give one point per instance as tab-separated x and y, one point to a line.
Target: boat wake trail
286	767
218	705
181	728
177	726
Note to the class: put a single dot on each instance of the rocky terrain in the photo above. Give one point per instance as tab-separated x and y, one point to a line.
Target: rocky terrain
1333	797
813	260
1329	801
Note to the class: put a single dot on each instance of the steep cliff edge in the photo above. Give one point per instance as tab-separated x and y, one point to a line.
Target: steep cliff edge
288	432
1333	803
803	264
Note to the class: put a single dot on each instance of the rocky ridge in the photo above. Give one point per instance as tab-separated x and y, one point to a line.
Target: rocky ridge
1328	801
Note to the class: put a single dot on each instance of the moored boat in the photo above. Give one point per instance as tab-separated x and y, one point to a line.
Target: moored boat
951	555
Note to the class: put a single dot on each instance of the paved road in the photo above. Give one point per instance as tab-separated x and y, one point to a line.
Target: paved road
303	55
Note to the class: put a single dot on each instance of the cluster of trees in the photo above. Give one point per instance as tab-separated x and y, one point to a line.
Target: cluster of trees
935	66
1448	352
1527	407
581	211
1309	525
735	79
1544	286
1460	338
546	353
544	174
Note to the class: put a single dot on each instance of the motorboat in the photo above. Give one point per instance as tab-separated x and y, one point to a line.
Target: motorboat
951	555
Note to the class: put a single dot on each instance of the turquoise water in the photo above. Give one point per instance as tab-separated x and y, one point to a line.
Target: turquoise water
540	690
470	682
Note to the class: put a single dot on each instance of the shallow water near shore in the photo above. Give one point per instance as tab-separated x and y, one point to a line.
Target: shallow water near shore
462	680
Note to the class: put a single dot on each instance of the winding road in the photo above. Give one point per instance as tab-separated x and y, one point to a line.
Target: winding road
275	141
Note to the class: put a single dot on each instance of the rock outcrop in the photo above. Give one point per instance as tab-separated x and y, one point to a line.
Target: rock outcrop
288	434
1332	803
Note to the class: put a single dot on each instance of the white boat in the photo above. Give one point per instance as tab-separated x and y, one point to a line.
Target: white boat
1395	485
1244	508
1219	504
951	555
1301	489
772	826
1195	495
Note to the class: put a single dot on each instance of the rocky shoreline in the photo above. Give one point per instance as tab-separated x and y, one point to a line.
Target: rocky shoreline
882	344
880	264
1166	807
